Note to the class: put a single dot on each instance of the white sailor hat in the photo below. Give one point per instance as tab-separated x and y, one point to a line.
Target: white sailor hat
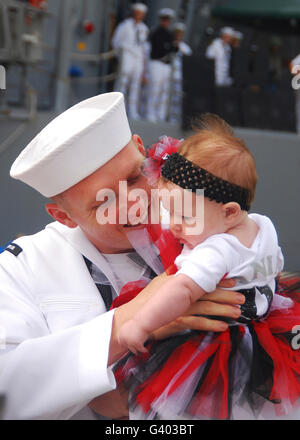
139	7
179	27
227	30
166	12
238	35
74	145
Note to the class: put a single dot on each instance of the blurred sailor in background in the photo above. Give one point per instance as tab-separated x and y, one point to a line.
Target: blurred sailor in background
237	39
145	82
220	51
163	49
129	42
176	92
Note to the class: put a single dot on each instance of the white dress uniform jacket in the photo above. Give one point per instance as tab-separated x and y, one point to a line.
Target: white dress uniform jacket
177	77
221	53
129	41
54	328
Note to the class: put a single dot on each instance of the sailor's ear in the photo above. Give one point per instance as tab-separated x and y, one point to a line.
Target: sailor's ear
139	143
60	215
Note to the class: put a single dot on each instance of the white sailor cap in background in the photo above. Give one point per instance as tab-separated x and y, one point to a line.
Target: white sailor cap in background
139	7
227	30
238	35
74	145
166	12
179	27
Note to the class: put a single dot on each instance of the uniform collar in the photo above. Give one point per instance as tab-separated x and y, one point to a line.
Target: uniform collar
78	240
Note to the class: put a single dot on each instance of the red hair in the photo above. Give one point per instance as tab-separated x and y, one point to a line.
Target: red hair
215	148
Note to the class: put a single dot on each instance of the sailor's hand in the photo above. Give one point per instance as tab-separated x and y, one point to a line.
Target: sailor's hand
113	405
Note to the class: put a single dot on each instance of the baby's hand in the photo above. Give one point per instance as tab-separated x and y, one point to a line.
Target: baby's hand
133	337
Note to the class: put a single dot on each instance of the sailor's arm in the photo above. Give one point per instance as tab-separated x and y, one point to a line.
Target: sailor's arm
43	374
218	303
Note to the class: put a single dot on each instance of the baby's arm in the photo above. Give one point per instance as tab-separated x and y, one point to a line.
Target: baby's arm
170	301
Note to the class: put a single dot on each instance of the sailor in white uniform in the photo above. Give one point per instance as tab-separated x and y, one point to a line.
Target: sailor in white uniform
163	50
129	41
220	51
58	339
177	75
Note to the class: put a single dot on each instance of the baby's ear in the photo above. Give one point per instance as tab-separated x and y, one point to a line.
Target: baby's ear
231	211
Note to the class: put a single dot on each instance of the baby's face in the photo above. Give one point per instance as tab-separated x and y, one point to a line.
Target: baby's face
193	218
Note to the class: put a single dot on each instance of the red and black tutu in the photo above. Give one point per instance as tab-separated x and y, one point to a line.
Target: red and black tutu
249	371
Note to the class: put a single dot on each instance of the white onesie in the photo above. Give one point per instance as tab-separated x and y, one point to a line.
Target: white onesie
224	254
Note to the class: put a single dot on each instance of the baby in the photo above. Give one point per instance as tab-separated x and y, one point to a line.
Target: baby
232	243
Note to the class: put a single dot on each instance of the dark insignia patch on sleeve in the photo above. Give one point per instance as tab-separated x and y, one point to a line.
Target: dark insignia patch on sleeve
14	249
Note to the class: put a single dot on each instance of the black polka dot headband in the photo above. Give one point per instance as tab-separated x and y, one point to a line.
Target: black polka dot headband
188	175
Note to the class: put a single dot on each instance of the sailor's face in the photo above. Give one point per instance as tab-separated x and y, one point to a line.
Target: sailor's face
87	210
227	38
139	15
165	22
